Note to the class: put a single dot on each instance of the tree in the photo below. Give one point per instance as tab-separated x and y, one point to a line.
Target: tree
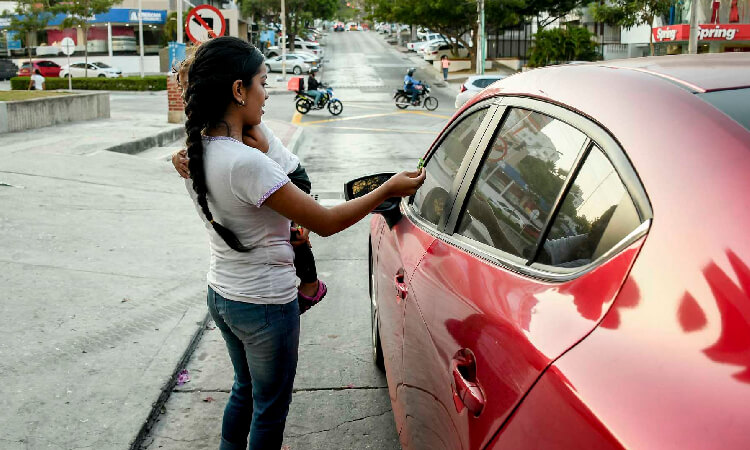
298	12
630	13
559	45
78	13
27	19
170	28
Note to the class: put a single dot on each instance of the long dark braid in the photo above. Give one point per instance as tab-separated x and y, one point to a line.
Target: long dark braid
217	65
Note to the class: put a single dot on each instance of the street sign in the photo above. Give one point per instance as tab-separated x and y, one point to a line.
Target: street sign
203	23
67	46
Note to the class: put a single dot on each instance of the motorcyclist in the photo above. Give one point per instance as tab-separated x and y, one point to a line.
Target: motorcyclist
313	85
410	85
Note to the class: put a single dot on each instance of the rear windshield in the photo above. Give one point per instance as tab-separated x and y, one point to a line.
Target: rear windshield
484	82
735	103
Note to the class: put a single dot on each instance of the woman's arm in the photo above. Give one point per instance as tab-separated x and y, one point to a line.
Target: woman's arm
294	204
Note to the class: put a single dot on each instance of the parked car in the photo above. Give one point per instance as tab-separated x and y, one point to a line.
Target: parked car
295	63
47	50
338	27
315	60
473	85
437	50
310	47
418	45
93	70
625	322
46	68
8	69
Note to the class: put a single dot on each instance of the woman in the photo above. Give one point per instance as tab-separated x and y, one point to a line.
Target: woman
247	201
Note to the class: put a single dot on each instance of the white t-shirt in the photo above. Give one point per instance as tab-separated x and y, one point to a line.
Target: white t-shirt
38	81
239	180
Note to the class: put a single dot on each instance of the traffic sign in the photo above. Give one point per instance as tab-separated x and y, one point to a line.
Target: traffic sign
67	46
203	23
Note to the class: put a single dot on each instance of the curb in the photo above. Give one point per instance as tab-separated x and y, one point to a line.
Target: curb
166	390
157	140
295	141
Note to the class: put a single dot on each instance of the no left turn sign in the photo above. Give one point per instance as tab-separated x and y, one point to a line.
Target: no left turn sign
204	22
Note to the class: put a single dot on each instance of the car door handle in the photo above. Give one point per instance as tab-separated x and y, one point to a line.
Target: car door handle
466	390
401	289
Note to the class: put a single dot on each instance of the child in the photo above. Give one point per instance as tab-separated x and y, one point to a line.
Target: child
445	64
311	289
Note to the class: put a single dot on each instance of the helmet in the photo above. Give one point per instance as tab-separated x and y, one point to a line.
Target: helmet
410	72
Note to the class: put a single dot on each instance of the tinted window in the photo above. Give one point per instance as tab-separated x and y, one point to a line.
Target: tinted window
519	182
442	167
735	103
484	82
596	214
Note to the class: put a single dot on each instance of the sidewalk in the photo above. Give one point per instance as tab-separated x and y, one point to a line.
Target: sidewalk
103	265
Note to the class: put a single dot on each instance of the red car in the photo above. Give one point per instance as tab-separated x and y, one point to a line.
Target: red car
625	322
47	68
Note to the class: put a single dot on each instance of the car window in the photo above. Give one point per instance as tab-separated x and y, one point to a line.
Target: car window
442	168
519	182
596	214
734	103
102	65
484	82
91	67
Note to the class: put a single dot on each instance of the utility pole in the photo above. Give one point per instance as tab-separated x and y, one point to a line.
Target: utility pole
179	22
693	38
140	33
283	39
480	37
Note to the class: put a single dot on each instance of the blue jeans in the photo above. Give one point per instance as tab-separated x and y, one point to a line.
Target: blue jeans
263	341
413	92
315	93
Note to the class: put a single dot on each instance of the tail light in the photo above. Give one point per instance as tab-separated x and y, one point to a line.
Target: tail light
463	88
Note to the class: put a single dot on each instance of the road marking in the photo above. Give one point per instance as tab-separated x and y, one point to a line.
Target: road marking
296	118
422	113
387	130
298	121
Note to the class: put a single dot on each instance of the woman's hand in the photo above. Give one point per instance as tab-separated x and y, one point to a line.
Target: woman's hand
180	163
405	184
254	137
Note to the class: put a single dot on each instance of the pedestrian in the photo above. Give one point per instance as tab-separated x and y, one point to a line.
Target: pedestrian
445	63
251	280
37	81
311	289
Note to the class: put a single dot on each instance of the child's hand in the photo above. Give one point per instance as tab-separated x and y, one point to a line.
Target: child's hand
302	236
254	137
180	163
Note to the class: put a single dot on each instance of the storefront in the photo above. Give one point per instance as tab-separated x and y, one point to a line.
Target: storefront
712	38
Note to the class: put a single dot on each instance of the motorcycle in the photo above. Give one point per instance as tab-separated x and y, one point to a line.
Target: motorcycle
305	102
403	99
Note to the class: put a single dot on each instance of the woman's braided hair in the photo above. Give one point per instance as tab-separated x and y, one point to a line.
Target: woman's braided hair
218	63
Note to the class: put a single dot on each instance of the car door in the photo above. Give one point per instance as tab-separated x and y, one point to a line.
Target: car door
402	246
528	263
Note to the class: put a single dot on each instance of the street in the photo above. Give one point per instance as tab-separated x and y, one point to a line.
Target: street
104	274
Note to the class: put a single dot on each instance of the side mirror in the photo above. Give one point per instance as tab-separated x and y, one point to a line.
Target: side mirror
359	187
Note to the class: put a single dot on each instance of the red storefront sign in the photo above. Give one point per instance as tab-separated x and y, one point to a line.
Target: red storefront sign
706	32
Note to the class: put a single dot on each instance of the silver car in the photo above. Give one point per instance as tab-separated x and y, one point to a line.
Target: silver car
295	63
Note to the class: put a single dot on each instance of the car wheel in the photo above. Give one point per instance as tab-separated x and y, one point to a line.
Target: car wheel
303	106
377	348
101	75
431	103
297	70
268	68
335	107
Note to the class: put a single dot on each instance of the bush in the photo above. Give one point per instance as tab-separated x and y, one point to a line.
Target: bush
150	83
560	45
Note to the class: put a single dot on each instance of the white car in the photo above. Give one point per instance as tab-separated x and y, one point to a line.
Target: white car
473	85
295	63
93	70
317	60
436	51
419	45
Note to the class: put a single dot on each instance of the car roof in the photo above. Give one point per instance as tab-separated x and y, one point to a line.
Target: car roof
701	73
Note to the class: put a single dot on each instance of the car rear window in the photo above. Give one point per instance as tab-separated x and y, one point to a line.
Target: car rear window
735	103
484	82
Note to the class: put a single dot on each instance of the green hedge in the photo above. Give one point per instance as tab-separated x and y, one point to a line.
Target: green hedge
150	83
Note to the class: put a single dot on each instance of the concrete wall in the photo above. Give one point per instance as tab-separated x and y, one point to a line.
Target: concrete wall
43	112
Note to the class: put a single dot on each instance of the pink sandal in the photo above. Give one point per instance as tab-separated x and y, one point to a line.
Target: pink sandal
306	302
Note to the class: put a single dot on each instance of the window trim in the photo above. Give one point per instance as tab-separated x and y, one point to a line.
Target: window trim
595	135
490	120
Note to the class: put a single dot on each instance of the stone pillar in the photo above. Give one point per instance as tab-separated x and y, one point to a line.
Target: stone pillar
176	109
